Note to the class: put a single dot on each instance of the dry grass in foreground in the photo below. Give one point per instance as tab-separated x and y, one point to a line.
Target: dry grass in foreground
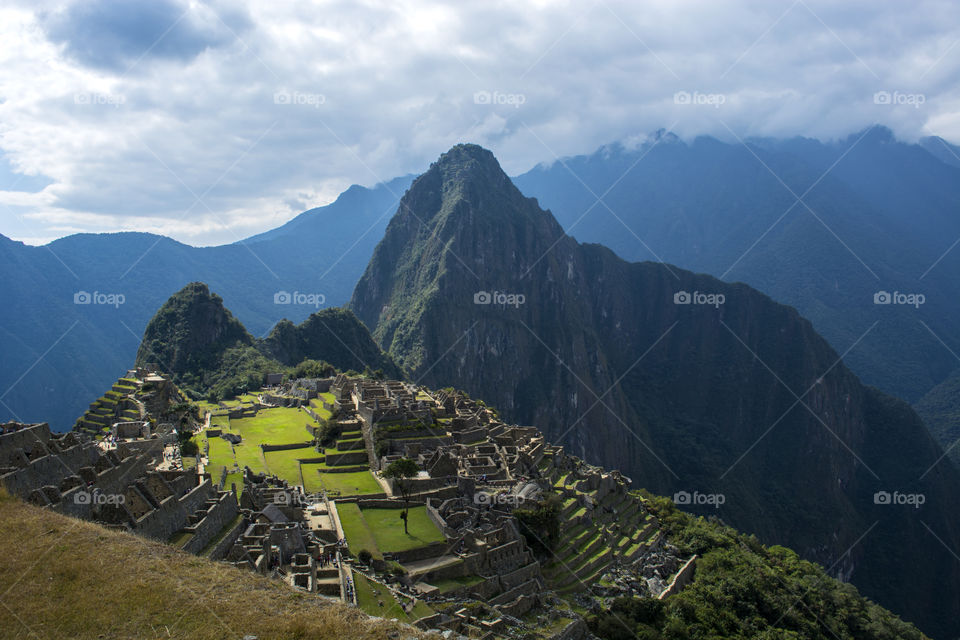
66	578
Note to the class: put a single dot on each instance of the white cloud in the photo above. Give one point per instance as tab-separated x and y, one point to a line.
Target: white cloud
379	89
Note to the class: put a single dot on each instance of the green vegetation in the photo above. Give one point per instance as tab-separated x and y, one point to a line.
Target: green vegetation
317	405
314	369
745	590
286	464
358	534
220	455
377	530
333	333
211	355
328	433
280	425
356	483
188	447
371	595
399	471
541	525
450	584
383	523
940	410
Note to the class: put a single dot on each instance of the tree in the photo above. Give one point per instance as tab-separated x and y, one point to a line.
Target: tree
189	448
399	471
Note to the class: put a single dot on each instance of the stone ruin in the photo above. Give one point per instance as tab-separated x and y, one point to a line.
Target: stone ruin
72	474
289	535
475	472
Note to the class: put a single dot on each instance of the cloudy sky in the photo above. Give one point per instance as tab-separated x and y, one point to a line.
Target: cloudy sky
211	121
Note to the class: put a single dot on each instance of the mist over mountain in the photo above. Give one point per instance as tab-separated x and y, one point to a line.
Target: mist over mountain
692	386
819	226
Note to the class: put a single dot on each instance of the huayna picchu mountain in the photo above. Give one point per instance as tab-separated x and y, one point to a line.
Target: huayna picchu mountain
194	338
697	388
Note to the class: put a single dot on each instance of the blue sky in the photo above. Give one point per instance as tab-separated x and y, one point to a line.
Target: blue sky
211	121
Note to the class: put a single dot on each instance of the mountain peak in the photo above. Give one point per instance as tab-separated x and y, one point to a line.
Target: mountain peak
190	331
462	218
465	153
466	170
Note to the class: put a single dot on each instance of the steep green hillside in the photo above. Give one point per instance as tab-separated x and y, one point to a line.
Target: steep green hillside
745	590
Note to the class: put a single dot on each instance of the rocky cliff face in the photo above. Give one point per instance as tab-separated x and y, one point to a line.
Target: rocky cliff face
685	383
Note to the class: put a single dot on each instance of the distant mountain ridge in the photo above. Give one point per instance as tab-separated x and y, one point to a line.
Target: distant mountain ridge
820	226
58	354
690	385
706	205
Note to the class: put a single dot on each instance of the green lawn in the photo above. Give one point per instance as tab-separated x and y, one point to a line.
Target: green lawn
449	584
249	455
387	529
370	595
220	421
317	405
357	483
285	463
236	477
280	425
220	455
381	530
355	529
